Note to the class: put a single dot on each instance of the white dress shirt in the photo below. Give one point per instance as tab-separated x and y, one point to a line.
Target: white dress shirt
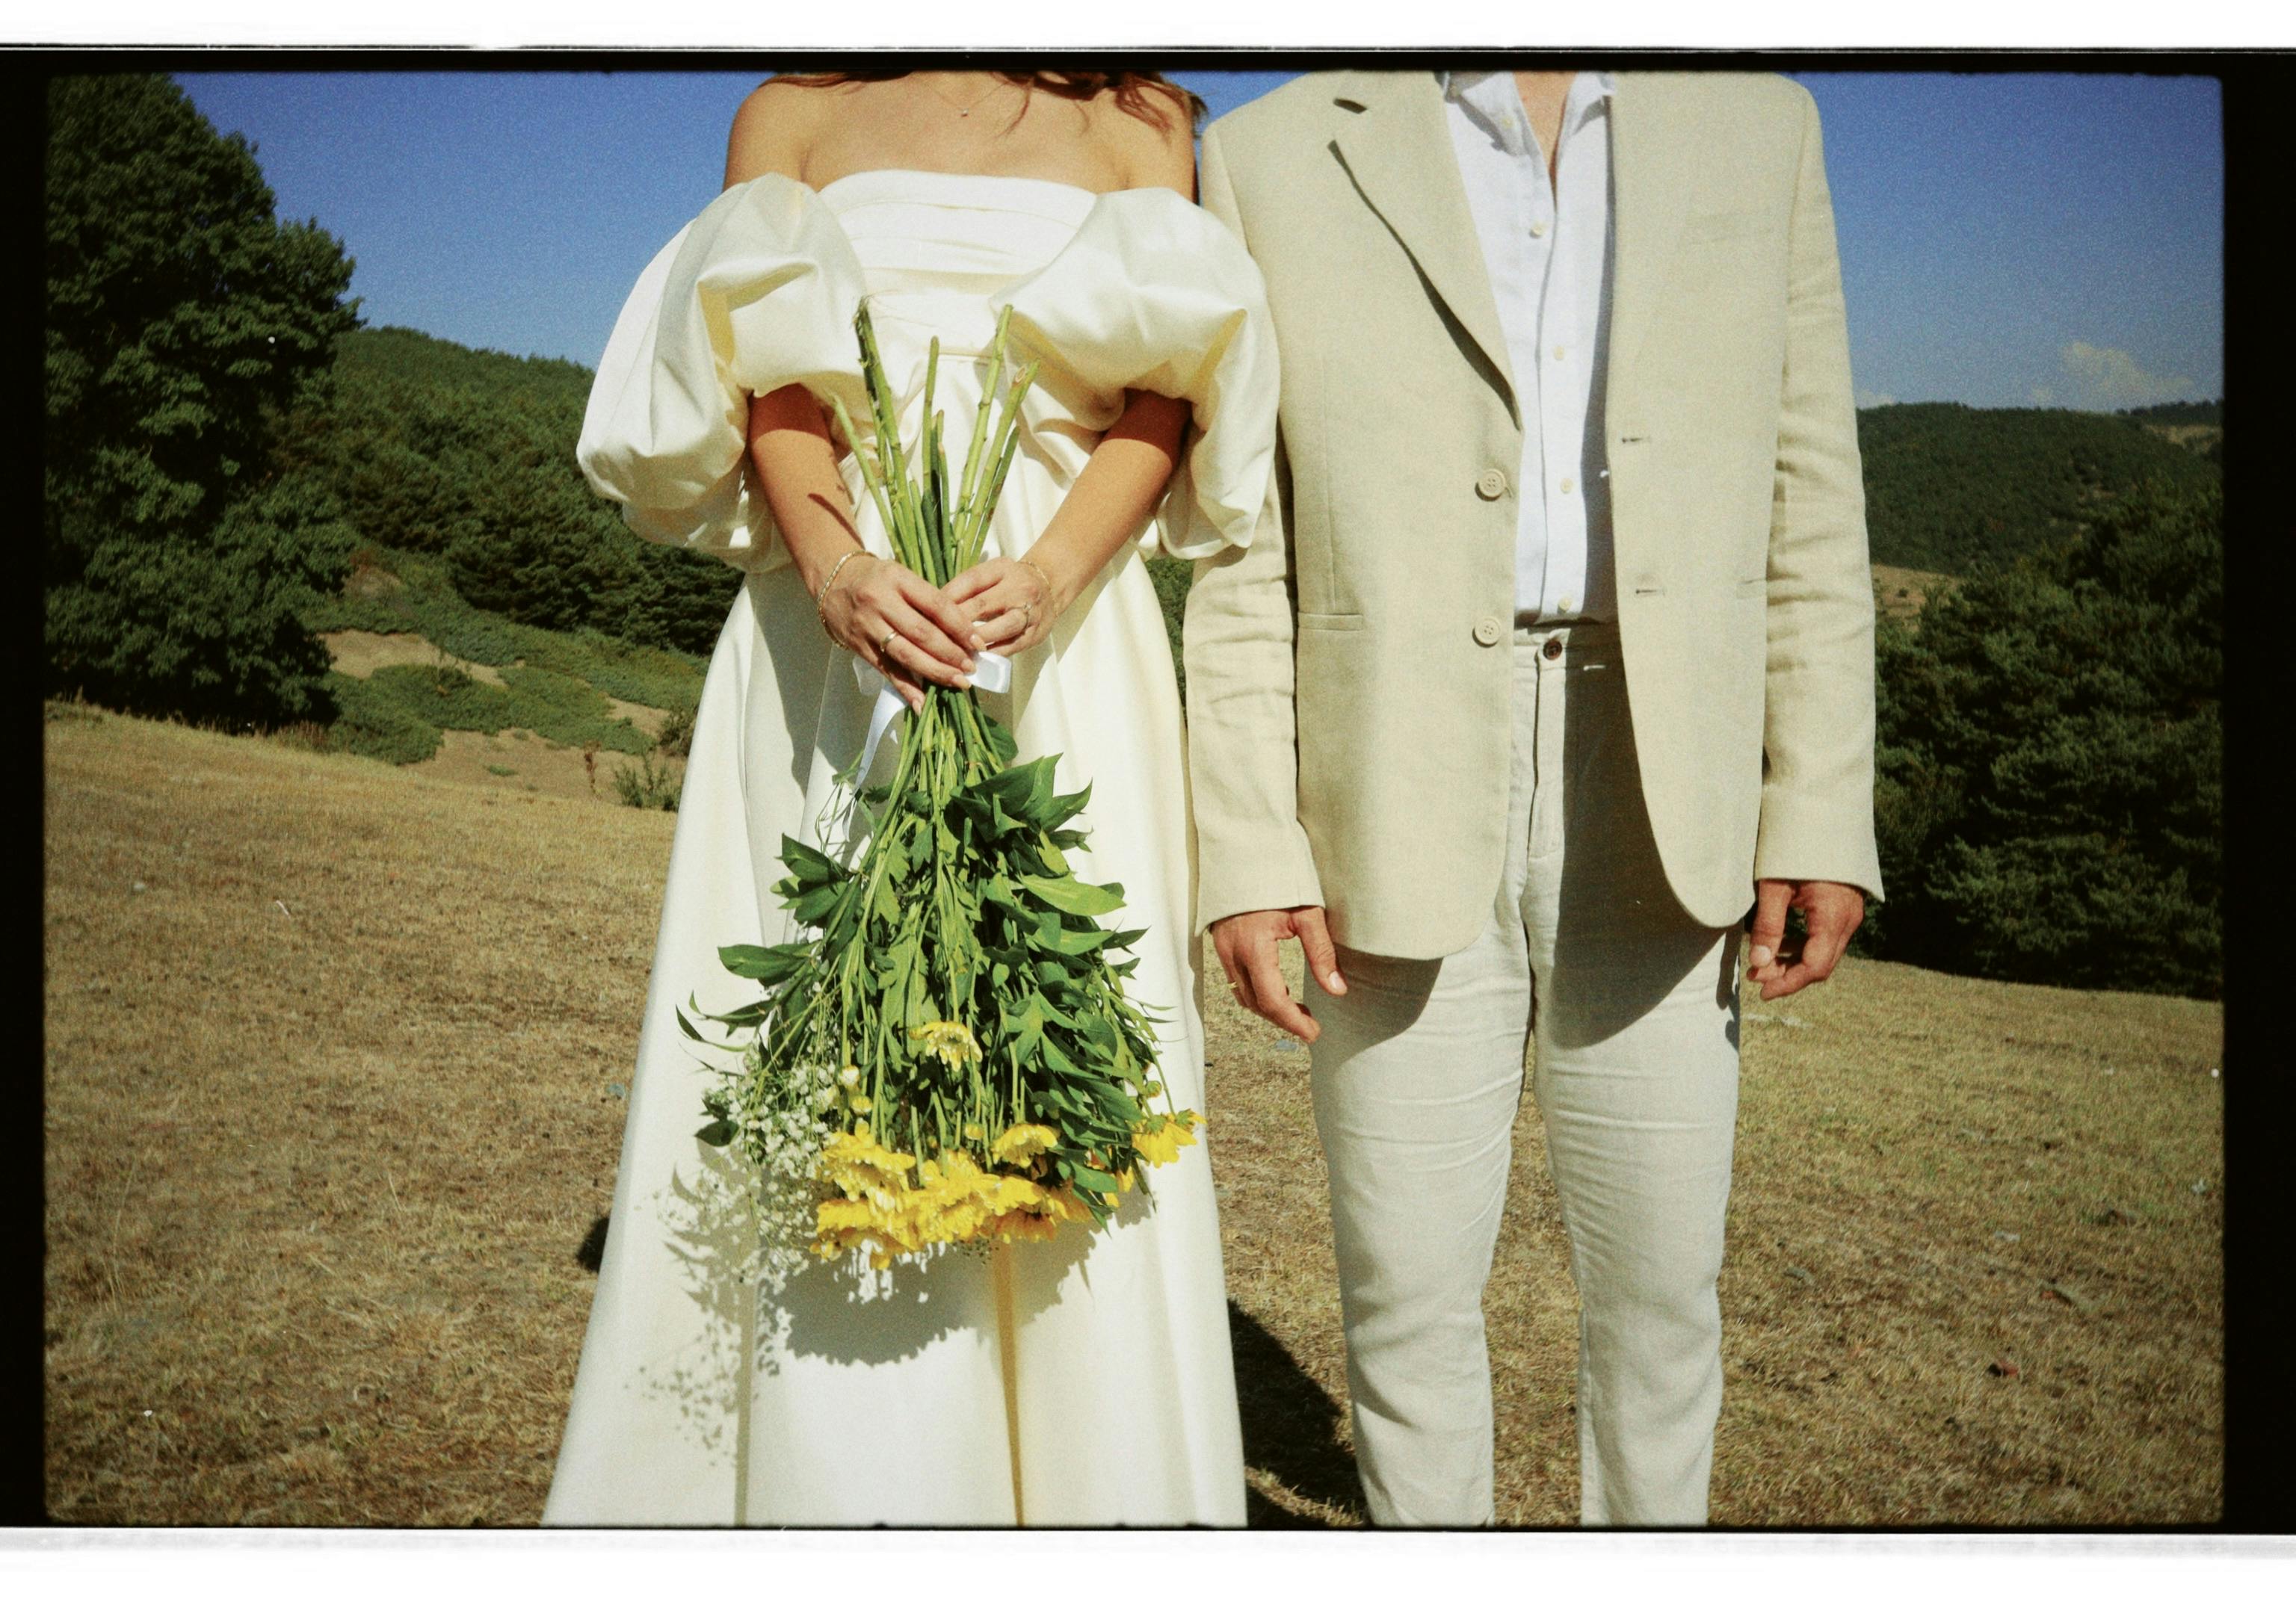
1547	249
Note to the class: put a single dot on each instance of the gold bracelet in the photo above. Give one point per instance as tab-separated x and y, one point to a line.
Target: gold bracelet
830	582
1039	570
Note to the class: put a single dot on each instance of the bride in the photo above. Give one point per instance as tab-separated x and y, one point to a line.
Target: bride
1088	1382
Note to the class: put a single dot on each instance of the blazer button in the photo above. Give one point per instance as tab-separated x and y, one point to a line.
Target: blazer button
1490	486
1487	631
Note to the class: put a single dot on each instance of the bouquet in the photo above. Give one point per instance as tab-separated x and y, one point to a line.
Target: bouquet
948	1056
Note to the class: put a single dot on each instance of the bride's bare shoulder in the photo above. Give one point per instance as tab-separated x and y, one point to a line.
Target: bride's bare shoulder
773	128
1154	139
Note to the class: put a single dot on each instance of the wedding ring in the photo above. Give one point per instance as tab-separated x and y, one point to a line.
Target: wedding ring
885	649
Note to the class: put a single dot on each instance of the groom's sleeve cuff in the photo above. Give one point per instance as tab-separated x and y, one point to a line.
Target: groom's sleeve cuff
1275	874
1808	841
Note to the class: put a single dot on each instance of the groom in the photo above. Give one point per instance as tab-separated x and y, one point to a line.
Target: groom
1557	659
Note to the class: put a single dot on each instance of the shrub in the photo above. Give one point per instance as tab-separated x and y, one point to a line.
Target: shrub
205	623
369	721
677	736
646	786
1172	579
567	711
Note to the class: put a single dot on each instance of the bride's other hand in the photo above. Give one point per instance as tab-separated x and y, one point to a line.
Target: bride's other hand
1009	605
898	623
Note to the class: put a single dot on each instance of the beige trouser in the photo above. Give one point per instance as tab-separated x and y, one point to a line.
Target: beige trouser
1418	1077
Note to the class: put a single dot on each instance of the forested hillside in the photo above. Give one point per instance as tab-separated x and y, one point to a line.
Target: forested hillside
1953	488
468	456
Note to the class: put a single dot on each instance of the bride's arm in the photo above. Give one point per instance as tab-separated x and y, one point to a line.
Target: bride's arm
879	610
1013	604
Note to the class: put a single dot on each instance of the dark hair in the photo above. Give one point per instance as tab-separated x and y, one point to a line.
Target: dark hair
1149	96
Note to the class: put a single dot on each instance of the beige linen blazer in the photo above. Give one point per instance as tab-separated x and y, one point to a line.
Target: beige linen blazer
1349	673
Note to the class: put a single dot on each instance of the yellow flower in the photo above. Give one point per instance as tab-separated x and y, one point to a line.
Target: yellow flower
1017	1143
1161	1139
973	1129
861	1168
1021	1224
1015	1193
952	1043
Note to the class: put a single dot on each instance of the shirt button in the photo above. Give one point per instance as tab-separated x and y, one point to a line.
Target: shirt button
1569	484
1552	649
1558	352
1487	631
1539	230
1566	605
1491	484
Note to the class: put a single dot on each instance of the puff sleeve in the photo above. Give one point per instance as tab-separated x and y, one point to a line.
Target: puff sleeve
755	293
1153	294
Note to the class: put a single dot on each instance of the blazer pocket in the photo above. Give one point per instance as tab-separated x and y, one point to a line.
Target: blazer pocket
1332	621
1723	225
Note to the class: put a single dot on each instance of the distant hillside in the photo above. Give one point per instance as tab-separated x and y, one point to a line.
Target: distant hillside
1950	488
2181	413
468	456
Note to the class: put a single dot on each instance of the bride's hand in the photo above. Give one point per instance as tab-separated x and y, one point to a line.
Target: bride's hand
1009	605
898	623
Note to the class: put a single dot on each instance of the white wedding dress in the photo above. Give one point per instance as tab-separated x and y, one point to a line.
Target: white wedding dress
699	1400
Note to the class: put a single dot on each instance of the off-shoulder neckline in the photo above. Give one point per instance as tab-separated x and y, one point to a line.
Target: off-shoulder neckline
997	177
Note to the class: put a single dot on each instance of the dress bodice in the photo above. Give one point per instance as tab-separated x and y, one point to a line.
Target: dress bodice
1134	290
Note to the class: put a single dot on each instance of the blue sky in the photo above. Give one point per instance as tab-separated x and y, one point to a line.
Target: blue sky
2006	239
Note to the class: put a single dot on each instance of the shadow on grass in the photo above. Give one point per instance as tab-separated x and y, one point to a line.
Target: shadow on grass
1291	1429
592	1253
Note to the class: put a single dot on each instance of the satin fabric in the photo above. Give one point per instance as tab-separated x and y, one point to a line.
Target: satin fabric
698	1399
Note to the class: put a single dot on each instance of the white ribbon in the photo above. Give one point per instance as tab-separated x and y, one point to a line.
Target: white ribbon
991	674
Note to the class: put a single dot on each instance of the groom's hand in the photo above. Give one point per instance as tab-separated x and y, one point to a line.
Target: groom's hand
1781	965
1246	944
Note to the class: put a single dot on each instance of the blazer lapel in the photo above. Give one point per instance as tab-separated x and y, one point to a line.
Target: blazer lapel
1399	151
1651	184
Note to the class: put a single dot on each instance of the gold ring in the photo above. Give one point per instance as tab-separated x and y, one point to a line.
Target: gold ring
886	648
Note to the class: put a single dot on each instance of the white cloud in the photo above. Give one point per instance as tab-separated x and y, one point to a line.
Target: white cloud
2109	380
1865	399
2043	395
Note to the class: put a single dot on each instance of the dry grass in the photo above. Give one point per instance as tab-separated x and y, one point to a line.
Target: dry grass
1901	591
356	653
319	1179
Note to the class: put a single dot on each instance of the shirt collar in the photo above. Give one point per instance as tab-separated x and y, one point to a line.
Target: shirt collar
1490	98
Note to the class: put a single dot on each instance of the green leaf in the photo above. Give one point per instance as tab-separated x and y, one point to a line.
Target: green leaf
1074	897
1000	740
767	965
717	1135
810	866
814	906
748	1015
1048	935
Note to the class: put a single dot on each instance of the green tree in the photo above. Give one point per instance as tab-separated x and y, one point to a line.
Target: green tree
183	320
2049	793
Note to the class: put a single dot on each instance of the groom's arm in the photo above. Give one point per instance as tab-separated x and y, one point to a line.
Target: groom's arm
1253	861
1816	846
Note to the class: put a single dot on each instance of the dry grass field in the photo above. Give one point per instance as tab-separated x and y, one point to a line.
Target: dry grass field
333	1054
1901	591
